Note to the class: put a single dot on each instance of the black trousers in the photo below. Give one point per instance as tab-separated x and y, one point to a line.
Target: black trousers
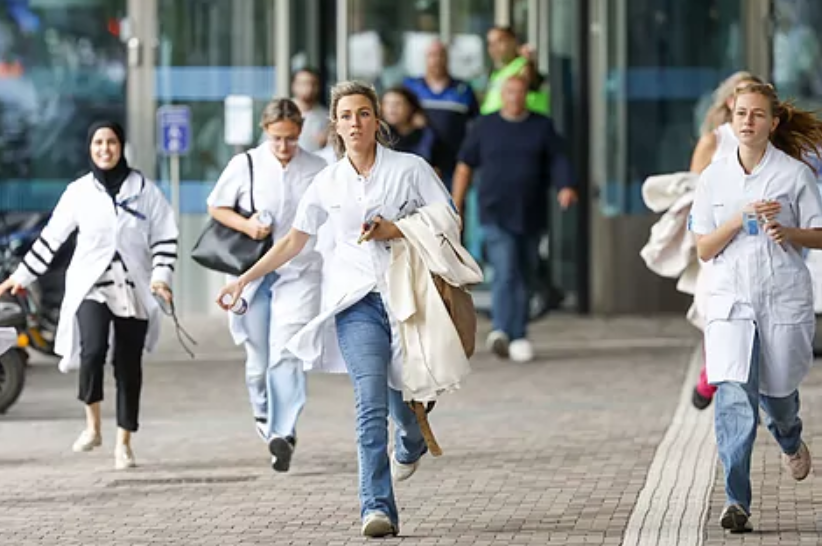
95	321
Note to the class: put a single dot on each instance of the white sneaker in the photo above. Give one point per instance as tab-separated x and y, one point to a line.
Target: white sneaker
123	458
521	350
401	471
378	525
87	441
497	343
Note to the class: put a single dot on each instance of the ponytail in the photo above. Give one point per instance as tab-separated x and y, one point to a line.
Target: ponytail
798	133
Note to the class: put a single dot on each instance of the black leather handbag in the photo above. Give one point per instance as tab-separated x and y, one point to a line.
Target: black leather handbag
226	250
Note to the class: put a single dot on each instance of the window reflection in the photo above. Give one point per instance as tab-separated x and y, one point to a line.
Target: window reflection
388	38
797	51
61	68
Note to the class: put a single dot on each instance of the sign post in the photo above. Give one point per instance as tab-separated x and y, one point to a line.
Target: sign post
174	138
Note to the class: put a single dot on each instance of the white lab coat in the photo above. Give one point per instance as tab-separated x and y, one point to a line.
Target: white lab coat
398	185
434	359
103	230
757	286
277	189
671	250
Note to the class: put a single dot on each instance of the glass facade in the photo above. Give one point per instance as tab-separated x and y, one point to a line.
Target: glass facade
797	51
659	77
207	51
62	66
652	67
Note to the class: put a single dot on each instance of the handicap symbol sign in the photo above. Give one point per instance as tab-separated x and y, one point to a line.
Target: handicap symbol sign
174	129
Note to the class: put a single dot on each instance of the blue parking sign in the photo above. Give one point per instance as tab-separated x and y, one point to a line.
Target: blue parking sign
174	129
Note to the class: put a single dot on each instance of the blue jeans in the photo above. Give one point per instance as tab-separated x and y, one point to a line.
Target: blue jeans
514	260
276	383
736	419
364	334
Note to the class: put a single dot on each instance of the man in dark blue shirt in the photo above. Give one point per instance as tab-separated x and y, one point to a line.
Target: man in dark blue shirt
449	105
521	155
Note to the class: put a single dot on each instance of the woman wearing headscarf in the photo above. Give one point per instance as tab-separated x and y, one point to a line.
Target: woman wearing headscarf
123	263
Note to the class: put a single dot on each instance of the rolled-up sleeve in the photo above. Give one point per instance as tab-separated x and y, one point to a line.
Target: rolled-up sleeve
234	181
311	213
808	201
701	218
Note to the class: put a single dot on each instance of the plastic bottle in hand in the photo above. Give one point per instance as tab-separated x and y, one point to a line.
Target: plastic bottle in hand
265	218
240	306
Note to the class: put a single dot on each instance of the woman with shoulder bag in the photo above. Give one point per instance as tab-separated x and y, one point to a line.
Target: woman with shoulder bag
124	259
269	181
360	198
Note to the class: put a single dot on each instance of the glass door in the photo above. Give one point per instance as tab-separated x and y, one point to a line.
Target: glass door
62	67
196	53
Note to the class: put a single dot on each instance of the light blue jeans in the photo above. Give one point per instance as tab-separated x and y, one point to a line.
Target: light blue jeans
364	334
276	386
736	419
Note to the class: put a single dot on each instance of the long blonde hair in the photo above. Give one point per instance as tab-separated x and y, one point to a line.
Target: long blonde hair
719	113
347	89
798	133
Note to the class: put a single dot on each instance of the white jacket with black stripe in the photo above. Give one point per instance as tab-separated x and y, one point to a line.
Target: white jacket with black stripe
138	224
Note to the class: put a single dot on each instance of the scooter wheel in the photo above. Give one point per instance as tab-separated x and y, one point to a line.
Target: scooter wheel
12	377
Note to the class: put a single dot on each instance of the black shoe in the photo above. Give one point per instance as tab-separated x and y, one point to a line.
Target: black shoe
735	519
281	450
700	402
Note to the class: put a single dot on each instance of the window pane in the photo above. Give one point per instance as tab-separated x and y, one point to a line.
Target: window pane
61	68
388	38
210	49
797	51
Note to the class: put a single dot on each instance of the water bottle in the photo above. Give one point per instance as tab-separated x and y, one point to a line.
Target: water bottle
240	306
265	218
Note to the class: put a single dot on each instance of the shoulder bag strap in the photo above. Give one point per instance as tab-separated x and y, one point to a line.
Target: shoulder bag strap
251	180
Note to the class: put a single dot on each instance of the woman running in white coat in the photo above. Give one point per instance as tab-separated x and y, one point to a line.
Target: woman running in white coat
126	251
360	196
753	213
717	141
279	304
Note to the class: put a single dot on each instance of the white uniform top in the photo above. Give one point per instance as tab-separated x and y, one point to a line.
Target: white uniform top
398	184
726	145
138	225
756	286
117	291
278	190
726	142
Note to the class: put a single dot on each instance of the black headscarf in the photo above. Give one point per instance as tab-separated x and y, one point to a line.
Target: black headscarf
112	178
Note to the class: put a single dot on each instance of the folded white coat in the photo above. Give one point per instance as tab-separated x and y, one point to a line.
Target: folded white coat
671	249
434	360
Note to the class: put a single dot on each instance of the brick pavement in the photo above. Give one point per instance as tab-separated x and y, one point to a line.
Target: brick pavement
552	452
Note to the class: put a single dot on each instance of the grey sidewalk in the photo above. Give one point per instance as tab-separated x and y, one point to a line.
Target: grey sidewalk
552	452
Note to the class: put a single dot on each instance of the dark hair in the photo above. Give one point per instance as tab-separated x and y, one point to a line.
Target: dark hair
281	110
306	70
412	99
798	133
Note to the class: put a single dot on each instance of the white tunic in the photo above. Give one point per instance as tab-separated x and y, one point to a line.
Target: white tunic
756	285
277	189
726	145
145	238
398	184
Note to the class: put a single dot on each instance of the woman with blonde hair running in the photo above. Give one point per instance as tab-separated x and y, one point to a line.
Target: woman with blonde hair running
754	211
717	140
